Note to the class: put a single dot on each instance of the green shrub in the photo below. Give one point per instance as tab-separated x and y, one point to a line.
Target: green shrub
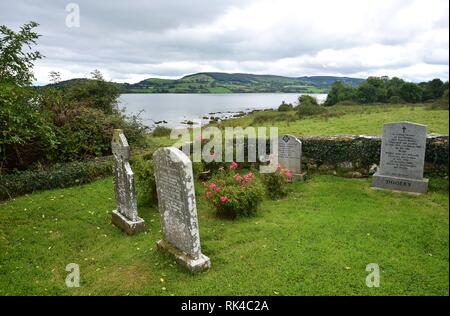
271	117
58	176
276	182
395	99
233	195
309	109
160	131
307	100
145	179
285	107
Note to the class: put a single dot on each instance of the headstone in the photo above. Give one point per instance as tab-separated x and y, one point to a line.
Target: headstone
177	208
125	216
290	155
402	158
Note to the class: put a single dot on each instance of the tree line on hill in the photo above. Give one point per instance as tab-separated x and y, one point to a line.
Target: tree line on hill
388	90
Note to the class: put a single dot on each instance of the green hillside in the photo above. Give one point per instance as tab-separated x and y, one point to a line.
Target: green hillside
218	82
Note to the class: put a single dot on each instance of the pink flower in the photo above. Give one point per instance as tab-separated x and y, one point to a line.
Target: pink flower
248	176
238	177
217	189
288	173
223	199
212	186
208	193
233	165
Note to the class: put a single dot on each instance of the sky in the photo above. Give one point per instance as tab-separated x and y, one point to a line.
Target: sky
129	41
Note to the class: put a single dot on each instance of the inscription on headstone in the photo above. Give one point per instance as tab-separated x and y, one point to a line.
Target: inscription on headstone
125	216
290	155
402	158
177	208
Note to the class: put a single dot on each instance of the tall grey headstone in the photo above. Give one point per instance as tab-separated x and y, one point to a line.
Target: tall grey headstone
402	158
177	208
290	155
125	216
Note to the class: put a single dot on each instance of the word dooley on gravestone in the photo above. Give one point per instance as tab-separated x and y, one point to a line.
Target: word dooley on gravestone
402	158
290	155
177	208
125	216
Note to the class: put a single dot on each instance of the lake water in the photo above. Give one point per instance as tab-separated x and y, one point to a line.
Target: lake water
178	108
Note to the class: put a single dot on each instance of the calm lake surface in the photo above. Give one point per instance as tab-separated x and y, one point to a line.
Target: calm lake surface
178	108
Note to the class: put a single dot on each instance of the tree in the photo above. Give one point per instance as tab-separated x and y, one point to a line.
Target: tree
340	92
432	89
55	76
411	92
16	54
393	87
373	90
26	132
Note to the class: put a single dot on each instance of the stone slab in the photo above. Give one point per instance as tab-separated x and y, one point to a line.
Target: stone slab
128	226
399	184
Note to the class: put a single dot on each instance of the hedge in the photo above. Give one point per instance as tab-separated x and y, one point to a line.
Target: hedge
58	176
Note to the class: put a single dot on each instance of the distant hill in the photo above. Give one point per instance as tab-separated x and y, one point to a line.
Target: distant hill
220	82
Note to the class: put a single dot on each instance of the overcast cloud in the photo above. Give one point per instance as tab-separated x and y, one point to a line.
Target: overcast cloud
133	40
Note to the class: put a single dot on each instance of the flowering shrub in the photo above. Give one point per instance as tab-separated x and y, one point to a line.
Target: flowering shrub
276	182
233	194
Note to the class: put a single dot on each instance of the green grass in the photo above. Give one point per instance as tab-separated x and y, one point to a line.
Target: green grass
352	119
317	241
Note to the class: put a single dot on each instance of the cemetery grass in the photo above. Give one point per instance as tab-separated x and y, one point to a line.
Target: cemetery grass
347	119
317	241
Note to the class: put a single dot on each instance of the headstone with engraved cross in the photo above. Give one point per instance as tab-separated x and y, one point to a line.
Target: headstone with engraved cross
402	158
290	156
126	215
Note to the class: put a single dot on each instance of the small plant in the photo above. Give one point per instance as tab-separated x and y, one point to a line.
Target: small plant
285	107
145	180
232	194
276	182
160	131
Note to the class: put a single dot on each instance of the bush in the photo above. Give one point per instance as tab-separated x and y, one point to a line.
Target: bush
271	117
276	182
145	179
58	176
309	109
233	195
160	131
395	99
307	100
285	107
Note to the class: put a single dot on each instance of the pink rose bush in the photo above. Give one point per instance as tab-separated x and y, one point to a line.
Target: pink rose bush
276	182
232	194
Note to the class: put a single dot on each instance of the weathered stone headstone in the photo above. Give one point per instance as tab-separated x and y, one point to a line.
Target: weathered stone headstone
290	155
402	158
177	208
125	216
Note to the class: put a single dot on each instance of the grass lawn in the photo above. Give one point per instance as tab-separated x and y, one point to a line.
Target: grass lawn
317	241
352	119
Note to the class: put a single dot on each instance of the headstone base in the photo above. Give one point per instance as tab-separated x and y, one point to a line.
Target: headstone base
399	184
193	265
130	227
298	177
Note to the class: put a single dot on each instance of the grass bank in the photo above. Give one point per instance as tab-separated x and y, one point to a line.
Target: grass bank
317	241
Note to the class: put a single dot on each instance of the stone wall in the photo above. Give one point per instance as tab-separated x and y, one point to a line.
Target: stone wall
359	155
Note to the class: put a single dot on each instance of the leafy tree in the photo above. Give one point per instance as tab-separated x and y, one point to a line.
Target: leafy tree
373	90
17	55
393	87
432	89
26	132
340	92
411	92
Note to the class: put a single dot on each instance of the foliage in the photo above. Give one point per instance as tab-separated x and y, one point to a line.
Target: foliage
384	89
16	54
160	131
58	123
285	107
58	176
145	179
276	182
232	194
